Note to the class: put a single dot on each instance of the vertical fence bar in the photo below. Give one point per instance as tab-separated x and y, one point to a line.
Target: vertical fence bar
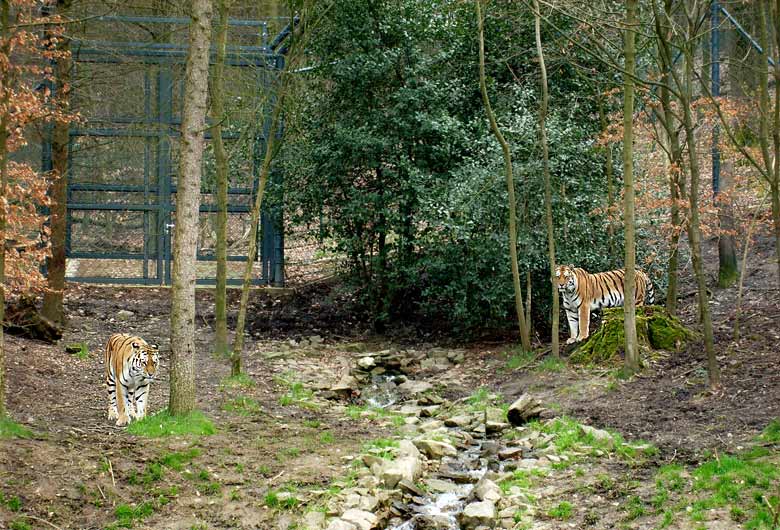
164	119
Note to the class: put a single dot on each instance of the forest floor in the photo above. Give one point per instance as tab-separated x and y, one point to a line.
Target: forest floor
713	461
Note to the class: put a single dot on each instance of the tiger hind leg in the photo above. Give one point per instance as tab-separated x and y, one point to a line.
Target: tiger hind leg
123	405
112	410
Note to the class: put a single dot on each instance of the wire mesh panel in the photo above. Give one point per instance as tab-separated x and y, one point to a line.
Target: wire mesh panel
123	155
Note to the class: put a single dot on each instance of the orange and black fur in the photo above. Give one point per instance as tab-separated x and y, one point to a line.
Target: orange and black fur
131	364
584	292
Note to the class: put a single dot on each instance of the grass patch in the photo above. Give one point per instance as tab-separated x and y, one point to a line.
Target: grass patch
165	424
551	365
771	434
296	394
357	412
236	381
12	503
245	406
177	460
11	429
562	511
20	524
381	447
519	359
520	478
127	516
327	437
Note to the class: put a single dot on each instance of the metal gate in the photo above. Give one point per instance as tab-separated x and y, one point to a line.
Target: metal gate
123	155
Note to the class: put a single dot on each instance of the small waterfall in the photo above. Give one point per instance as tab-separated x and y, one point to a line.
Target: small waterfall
382	392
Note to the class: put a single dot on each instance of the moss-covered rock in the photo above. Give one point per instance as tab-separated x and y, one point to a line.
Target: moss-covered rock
655	329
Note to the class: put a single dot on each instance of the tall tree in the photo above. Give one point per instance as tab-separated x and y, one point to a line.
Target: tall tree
5	97
629	308
543	102
525	336
182	397
694	223
218	117
58	190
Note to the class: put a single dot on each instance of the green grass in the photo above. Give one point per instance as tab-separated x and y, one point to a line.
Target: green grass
272	500
480	398
635	508
127	516
177	460
20	524
312	424
327	437
245	406
519	359
552	365
165	424
520	478
381	447
357	412
11	429
236	381
12	503
771	433
562	511
296	394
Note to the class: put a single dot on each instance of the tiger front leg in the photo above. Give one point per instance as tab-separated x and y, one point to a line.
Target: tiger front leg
123	405
573	327
141	395
584	323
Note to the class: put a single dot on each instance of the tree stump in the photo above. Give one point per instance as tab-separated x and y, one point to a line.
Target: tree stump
655	328
22	318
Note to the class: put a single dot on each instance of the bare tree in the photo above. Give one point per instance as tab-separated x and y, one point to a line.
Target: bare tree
182	397
221	158
543	102
629	307
5	97
525	336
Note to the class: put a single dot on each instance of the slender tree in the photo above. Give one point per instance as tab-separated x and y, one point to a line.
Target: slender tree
632	347
182	397
525	336
5	97
221	157
543	102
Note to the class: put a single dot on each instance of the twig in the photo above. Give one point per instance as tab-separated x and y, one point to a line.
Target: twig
111	470
101	492
276	477
43	521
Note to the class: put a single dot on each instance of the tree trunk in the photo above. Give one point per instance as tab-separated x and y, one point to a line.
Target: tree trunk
221	158
182	398
629	307
775	166
525	336
694	231
5	96
58	191
265	170
728	270
547	182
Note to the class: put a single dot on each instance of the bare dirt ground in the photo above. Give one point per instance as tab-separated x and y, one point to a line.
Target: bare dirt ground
78	469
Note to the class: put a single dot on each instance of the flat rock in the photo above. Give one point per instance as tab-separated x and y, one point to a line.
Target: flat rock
487	490
414	387
482	513
461	420
362	519
340	524
435	448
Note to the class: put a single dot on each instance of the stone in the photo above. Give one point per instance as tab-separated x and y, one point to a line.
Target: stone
599	435
435	485
124	314
510	453
429	411
525	409
340	524
415	387
361	519
366	363
409	487
432	425
496	426
456	356
408	448
391	472
314	520
315	339
482	513
437	364
346	383
410	410
487	490
461	420
435	449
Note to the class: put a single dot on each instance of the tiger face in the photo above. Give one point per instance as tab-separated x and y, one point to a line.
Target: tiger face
146	359
565	279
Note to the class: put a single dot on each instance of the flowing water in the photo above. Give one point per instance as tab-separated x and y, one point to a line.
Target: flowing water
382	392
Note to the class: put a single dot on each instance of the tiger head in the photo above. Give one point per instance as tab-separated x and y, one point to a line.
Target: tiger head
565	278
146	358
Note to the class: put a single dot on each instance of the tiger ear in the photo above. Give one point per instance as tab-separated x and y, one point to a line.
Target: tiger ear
154	347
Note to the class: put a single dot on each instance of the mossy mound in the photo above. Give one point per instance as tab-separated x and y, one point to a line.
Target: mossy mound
655	329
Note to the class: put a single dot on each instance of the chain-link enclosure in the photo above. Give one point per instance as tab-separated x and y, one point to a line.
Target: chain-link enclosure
123	154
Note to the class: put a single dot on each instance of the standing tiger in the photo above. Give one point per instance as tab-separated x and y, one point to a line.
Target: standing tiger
131	364
584	292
